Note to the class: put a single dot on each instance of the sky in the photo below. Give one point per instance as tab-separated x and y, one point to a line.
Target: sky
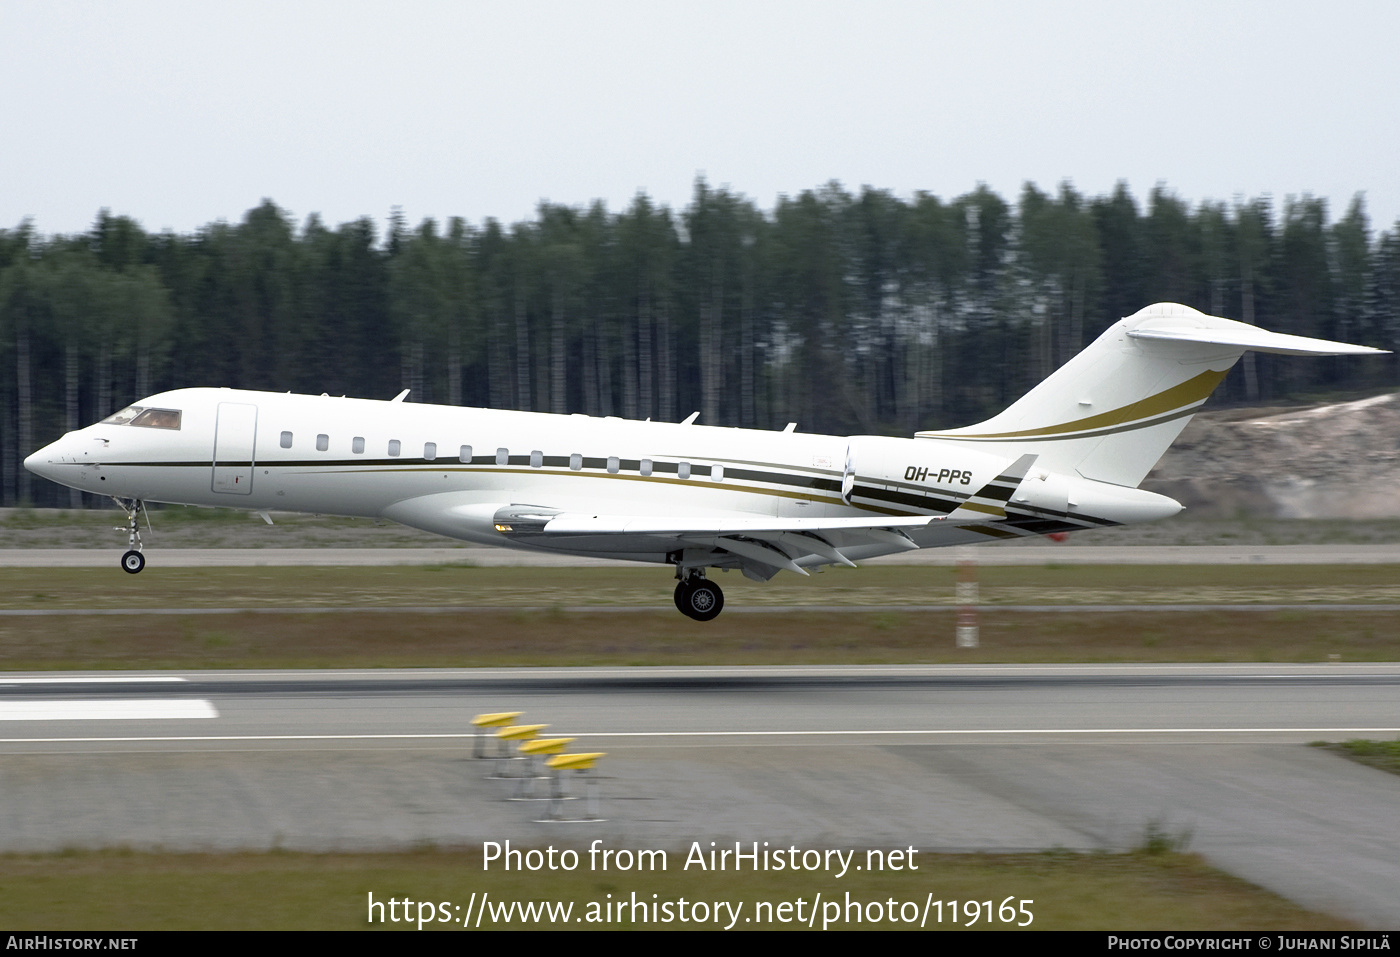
181	114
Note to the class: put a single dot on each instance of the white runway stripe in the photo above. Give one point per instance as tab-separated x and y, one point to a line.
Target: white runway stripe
121	679
108	710
467	735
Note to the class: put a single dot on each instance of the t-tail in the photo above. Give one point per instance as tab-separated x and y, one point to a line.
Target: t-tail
1110	412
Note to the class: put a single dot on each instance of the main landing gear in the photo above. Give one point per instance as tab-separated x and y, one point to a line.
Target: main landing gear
132	561
699	598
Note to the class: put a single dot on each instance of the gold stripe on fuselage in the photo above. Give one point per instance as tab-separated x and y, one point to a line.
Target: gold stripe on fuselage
1178	400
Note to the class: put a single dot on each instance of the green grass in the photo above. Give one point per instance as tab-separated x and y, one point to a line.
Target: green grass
466	586
519	616
121	891
1378	754
560	638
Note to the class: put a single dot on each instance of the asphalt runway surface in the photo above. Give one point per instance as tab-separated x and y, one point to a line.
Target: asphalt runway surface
985	758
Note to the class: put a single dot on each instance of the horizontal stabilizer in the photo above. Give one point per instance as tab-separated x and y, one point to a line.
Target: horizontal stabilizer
1241	335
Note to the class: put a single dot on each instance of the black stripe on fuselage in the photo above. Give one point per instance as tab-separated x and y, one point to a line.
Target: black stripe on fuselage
997	493
926	500
1044	526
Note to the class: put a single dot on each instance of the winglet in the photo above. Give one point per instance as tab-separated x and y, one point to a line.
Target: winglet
988	503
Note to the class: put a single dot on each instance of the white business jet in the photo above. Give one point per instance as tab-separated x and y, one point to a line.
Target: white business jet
1067	456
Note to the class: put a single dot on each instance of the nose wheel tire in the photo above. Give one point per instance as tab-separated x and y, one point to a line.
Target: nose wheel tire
132	561
699	599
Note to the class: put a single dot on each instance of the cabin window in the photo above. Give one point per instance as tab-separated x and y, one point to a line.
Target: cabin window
613	464
536	459
357	445
286	442
683	470
716	473
576	461
465	454
646	466
394	446
323	442
429	451
158	419
503	456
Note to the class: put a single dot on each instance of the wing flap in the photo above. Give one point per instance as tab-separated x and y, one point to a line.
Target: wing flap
761	552
815	545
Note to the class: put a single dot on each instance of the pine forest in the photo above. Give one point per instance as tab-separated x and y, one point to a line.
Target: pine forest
845	312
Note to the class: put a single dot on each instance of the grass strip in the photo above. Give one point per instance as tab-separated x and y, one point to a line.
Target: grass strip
558	638
466	586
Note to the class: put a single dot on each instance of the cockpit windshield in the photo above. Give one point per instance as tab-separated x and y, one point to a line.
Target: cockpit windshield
124	416
145	418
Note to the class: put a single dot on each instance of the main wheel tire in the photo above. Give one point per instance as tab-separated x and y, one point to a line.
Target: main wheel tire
703	600
680	597
133	561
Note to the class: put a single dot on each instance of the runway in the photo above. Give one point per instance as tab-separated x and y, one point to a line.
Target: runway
991	758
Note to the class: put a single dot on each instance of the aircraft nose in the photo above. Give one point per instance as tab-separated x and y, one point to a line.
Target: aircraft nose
40	463
55	461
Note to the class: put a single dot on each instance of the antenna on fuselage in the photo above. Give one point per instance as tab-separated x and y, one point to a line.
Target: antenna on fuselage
401	396
690	419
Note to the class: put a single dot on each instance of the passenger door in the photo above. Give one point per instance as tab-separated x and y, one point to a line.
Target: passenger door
235	434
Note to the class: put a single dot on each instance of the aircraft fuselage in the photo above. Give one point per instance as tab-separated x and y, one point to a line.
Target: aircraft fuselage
449	470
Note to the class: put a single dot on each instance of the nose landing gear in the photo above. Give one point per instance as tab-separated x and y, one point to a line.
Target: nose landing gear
699	598
132	560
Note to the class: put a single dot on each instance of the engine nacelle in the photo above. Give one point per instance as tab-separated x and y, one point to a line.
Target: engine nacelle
1072	494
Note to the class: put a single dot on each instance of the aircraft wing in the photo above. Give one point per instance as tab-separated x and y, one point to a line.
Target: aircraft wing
567	522
760	545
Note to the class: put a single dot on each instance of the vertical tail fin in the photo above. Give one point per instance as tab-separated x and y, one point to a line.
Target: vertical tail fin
1111	411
